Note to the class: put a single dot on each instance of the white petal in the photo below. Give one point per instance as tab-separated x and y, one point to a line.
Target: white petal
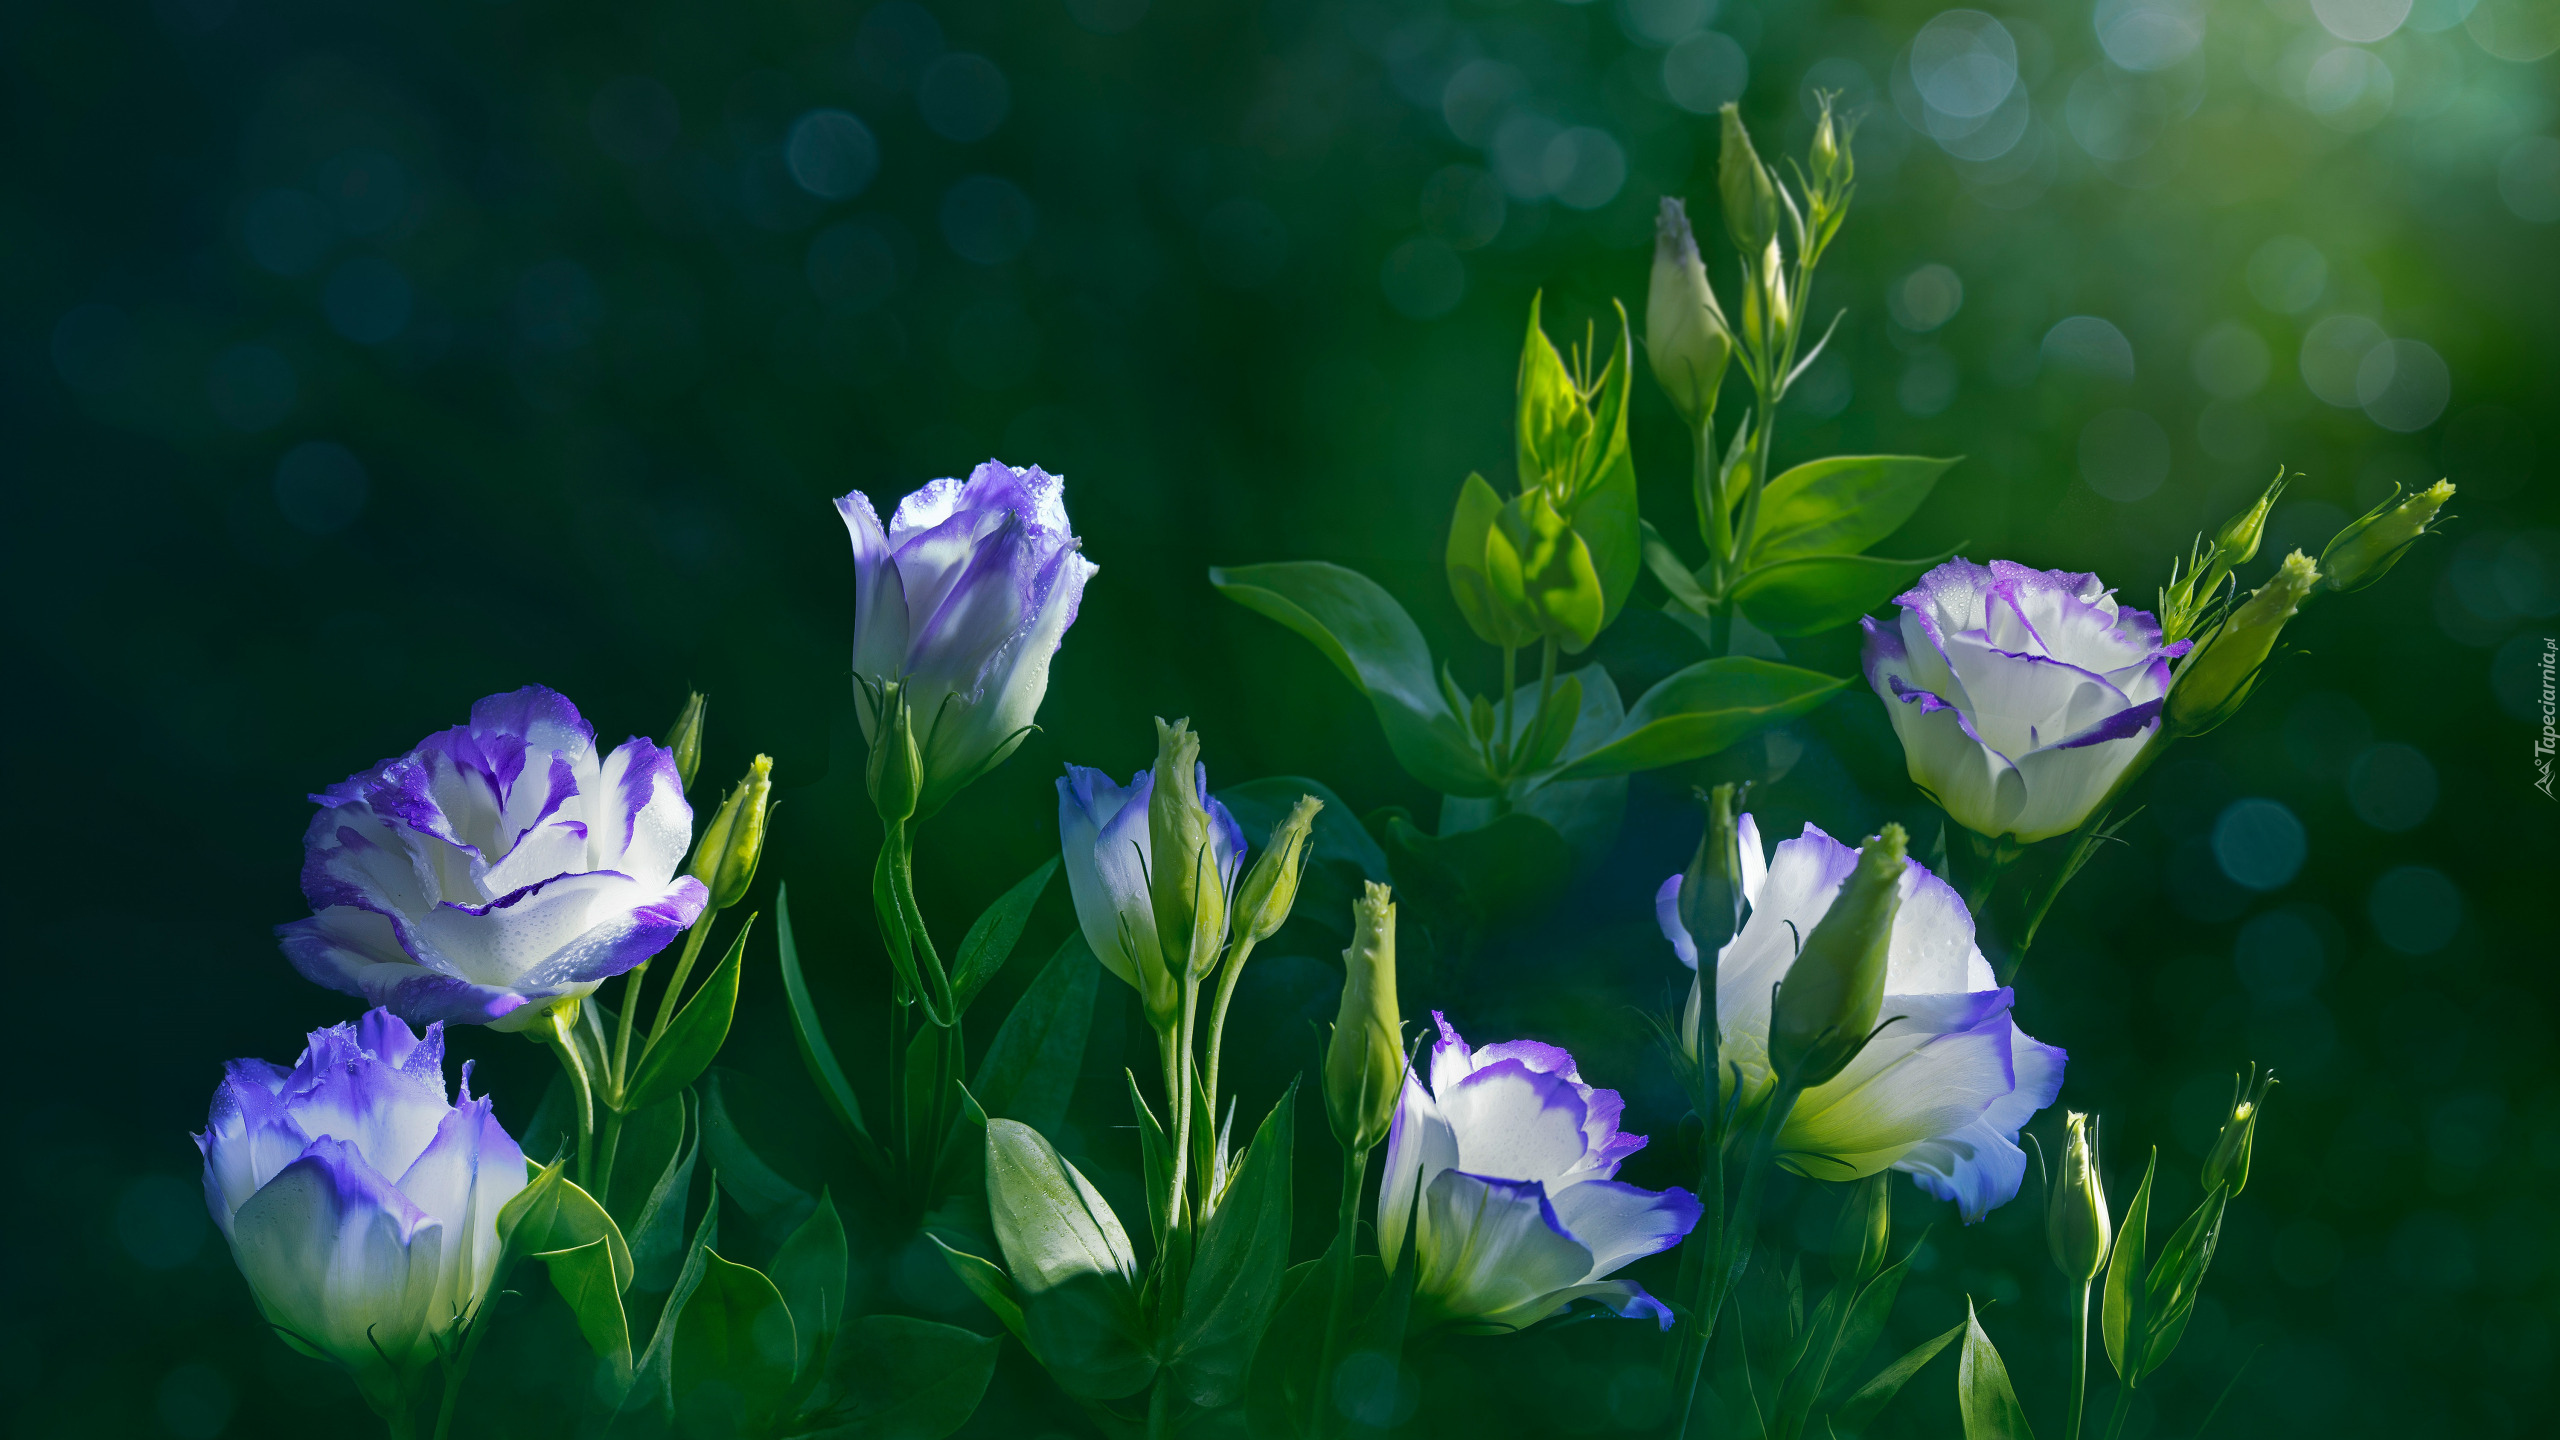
1492	1249
1419	1146
1514	1123
1976	785
2063	786
1619	1223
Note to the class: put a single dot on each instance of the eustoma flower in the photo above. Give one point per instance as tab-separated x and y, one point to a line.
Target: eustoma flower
497	869
960	603
361	1204
2020	695
1109	855
1512	1156
1940	1091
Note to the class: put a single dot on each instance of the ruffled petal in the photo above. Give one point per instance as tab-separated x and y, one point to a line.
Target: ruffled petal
1493	1249
1619	1223
338	1257
879	601
640	824
1516	1123
1420	1145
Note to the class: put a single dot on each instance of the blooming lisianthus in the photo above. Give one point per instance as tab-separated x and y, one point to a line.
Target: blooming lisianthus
2020	695
1940	1091
499	867
1513	1158
1103	838
361	1204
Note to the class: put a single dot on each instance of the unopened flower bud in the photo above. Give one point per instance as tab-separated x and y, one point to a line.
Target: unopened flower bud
1827	1005
1364	1058
2366	550
896	771
684	739
2077	1226
1541	567
1495	619
1270	888
2236	543
1685	335
2218	677
1864	1230
1187	886
1711	891
725	859
1750	196
2228	1163
1833	167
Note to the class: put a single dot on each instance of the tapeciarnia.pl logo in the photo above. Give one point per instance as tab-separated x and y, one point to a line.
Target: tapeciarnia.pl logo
2549	740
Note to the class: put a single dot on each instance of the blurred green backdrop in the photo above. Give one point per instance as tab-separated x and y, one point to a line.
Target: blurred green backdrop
366	358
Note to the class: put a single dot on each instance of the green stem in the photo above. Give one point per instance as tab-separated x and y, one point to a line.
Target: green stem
1733	1250
566	1046
2124	1404
1715	517
2079	1365
1355	1167
693	938
1178	1074
1546	683
930	976
621	1077
404	1425
1236	957
457	1366
1502	732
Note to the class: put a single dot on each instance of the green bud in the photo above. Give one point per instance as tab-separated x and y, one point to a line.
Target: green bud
2366	550
2219	674
1495	620
1364	1058
2077	1227
684	740
1750	196
1270	888
1865	1228
1685	335
2228	1164
895	773
1538	565
1834	167
1188	893
2236	543
724	860
1711	889
1827	1005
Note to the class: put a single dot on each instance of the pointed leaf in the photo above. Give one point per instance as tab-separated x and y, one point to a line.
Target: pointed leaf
2178	1277
760	1190
1374	643
685	1051
649	1143
657	1230
1841	505
583	1274
1070	1262
1155	1162
1856	1412
1991	1409
988	1282
899	1378
2120	1314
1701	710
1235	1277
653	1382
1675	577
1866	1322
810	1270
552	1213
1814	593
737	1330
815	1052
991	939
1029	1073
1470	526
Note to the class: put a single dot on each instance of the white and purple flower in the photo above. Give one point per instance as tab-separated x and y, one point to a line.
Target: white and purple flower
1513	1158
1944	1086
2020	695
963	599
1102	837
498	868
361	1204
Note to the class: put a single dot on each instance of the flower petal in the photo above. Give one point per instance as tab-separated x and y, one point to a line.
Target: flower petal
1492	1249
1619	1223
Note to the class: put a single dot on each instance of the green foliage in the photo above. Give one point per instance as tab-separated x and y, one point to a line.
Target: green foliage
1841	505
735	1330
1990	1408
1235	1278
811	1036
584	1276
2121	1318
1071	1264
810	1270
893	1377
684	1052
1700	711
998	928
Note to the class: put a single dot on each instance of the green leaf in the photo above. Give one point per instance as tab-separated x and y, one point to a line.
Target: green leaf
1155	1162
1235	1278
1470	527
2120	1317
685	1051
991	939
988	1282
815	1053
736	1329
1815	593
1866	1322
2178	1277
1861	1408
1991	1409
1504	870
1842	505
649	1143
657	1229
899	1378
1675	577
1260	804
583	1274
760	1190
653	1382
1807	1364
1701	710
1374	643
552	1213
810	1270
1029	1073
1070	1262
553	1130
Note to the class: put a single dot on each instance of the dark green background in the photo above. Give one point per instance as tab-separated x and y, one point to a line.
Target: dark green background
598	455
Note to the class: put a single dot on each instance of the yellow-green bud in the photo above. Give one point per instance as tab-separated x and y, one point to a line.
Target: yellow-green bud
896	770
1495	620
1711	890
724	860
684	740
2228	1163
1187	892
1750	196
1833	167
1540	566
1864	1230
2216	679
2077	1227
2366	550
1270	888
1827	1005
1685	335
1364	1058
2236	543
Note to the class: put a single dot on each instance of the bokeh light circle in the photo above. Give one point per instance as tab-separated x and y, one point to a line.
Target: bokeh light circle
831	154
2392	786
2416	910
2124	455
2259	844
2403	385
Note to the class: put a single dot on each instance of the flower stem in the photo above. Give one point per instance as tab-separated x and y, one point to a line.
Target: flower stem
698	932
2079	1365
1236	957
1355	1166
1733	1246
571	1061
1715	517
2124	1404
1502	732
1186	1201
